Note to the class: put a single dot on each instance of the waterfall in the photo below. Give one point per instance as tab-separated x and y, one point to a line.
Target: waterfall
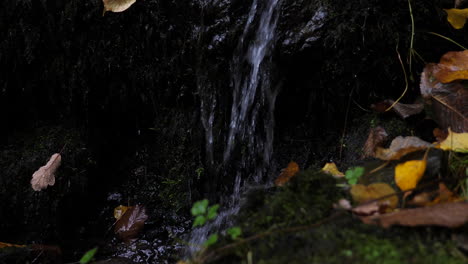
251	120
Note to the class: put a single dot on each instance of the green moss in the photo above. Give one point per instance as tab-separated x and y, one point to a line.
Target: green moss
308	199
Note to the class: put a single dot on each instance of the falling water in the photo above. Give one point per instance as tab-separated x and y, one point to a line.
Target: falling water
251	121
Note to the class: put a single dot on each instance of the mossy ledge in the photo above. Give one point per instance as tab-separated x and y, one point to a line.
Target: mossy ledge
292	224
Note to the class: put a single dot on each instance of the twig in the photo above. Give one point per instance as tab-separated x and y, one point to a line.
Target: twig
406	82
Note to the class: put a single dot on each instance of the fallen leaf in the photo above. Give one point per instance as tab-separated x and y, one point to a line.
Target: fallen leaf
403	110
452	66
331	169
457	142
445	195
375	191
408	174
117	5
439	134
119	211
401	146
287	173
446	102
377	136
457	17
131	223
45	175
447	215
4	245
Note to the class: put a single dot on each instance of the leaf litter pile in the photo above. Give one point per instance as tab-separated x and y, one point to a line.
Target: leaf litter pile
417	193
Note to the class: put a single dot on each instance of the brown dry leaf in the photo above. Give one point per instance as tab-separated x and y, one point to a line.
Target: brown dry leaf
119	211
377	136
457	17
4	245
457	142
447	102
331	169
439	134
117	5
401	146
442	195
131	223
362	194
408	174
45	175
287	173
447	214
445	195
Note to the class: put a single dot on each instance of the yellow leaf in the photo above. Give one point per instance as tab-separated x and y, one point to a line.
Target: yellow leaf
331	169
408	174
287	173
457	17
457	142
117	5
119	211
362	193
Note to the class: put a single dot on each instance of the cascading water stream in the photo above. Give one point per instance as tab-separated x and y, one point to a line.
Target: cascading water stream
251	122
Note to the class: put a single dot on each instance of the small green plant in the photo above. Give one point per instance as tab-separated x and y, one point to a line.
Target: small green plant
352	175
88	256
199	172
234	232
203	213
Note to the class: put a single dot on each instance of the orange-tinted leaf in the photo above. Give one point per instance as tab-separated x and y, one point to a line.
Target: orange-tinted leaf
131	223
287	173
457	17
119	211
401	146
4	245
362	194
452	66
331	169
447	214
457	142
376	138
408	174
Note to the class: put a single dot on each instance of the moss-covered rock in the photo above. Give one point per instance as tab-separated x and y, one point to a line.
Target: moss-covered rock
283	220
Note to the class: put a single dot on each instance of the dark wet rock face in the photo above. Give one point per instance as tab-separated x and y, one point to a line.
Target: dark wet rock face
143	100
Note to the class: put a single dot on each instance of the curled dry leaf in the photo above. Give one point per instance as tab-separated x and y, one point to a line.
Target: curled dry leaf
446	214
45	175
287	173
377	136
131	223
457	142
401	146
331	169
117	5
